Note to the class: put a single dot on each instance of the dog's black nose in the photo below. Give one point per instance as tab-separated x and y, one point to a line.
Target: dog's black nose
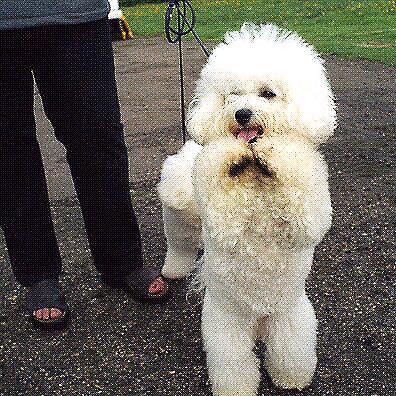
243	116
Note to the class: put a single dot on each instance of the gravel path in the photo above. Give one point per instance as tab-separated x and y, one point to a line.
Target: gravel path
118	347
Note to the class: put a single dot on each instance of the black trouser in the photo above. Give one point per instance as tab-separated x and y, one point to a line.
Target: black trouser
73	67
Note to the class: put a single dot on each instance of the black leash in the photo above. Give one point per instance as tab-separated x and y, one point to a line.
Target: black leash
184	25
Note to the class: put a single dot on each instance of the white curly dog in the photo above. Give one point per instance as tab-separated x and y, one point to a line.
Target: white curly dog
252	190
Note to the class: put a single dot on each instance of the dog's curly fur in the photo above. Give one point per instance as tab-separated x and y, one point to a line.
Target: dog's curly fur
254	194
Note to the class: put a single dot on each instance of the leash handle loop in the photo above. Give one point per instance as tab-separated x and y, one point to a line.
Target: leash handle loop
185	13
184	9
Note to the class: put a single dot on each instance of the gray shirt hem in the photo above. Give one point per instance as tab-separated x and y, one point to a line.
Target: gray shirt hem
61	19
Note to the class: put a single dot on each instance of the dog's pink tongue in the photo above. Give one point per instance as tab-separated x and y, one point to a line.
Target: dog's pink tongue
248	134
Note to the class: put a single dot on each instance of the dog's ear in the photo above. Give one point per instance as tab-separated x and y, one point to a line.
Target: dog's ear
203	116
315	119
312	109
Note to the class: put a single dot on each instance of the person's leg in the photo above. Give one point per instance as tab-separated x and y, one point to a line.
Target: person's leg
24	206
25	210
76	80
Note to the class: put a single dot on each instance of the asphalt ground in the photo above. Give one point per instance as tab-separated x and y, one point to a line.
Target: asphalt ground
116	346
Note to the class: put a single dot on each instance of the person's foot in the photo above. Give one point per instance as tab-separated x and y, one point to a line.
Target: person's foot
48	313
144	284
46	304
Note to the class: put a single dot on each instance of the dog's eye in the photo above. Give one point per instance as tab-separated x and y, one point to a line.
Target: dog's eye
235	93
266	93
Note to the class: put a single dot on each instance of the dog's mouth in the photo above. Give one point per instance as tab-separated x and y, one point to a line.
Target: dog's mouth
248	134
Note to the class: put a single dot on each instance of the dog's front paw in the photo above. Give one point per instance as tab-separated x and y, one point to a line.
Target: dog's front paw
261	156
238	167
263	167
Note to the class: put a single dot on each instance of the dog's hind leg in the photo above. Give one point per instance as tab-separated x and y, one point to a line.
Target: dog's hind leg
291	346
183	239
228	340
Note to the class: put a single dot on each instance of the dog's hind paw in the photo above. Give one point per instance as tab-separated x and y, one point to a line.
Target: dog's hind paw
297	381
178	264
236	392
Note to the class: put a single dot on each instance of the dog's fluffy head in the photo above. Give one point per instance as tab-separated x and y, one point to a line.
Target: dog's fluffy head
262	80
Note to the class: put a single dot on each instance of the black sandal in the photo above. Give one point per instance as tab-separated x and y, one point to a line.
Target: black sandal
138	283
47	294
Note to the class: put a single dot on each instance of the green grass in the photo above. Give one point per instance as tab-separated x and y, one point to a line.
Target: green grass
350	29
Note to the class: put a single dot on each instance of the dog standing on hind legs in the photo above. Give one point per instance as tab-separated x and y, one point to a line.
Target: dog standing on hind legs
253	191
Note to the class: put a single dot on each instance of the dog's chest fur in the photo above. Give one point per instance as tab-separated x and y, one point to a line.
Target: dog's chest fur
255	219
255	247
